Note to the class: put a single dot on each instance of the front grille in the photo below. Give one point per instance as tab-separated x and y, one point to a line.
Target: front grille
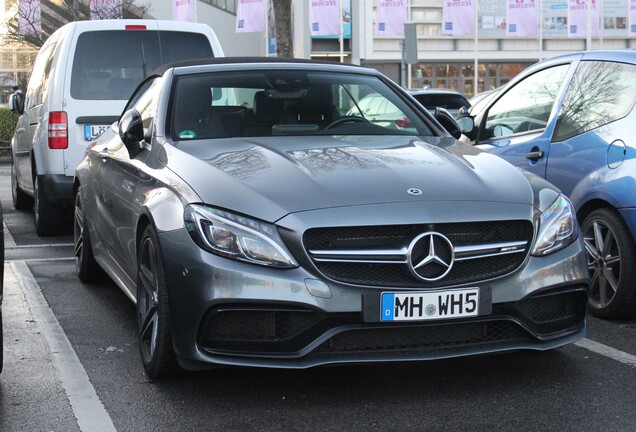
376	255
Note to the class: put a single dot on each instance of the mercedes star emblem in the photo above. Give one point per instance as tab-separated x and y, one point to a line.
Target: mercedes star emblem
430	256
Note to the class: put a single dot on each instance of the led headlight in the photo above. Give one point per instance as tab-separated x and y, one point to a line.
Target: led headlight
557	227
237	237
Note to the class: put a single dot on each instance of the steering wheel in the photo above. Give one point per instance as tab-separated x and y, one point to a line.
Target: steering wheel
346	119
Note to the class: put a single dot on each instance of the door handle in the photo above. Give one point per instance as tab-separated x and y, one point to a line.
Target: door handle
534	155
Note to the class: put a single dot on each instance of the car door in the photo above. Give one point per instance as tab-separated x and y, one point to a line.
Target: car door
518	125
118	176
585	140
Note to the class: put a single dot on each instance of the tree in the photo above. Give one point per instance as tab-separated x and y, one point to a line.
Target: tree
28	25
282	15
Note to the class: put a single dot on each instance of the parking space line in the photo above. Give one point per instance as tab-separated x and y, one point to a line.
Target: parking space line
87	407
34	246
607	351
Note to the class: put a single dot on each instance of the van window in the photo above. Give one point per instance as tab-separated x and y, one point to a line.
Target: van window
109	64
39	83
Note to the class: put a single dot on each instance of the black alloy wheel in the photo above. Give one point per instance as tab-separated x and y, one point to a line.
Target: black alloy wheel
153	310
611	256
85	265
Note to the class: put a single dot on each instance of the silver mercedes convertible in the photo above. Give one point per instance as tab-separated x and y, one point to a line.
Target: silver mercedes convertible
257	215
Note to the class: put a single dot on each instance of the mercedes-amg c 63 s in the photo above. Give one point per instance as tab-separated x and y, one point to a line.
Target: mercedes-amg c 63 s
256	217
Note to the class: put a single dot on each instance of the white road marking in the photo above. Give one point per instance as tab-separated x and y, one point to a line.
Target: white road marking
607	351
40	259
87	407
33	246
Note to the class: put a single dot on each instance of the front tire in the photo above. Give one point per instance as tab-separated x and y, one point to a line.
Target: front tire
153	310
611	257
88	270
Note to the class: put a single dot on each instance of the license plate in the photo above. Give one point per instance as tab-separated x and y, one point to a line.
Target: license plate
430	305
93	131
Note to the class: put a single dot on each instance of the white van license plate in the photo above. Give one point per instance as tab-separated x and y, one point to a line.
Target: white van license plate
431	305
91	132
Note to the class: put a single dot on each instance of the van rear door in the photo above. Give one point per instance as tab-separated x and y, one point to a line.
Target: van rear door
109	60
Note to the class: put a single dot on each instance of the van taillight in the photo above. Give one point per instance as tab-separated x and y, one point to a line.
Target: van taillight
58	130
135	27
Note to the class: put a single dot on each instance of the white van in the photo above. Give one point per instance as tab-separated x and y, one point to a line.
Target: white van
81	79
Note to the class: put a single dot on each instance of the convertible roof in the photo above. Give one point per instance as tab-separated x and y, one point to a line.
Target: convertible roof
237	60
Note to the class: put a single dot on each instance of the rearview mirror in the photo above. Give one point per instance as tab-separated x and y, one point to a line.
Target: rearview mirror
131	131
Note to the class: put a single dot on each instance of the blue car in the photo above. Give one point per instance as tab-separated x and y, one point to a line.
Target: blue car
570	119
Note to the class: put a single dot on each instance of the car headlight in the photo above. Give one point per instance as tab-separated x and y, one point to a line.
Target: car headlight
237	237
557	227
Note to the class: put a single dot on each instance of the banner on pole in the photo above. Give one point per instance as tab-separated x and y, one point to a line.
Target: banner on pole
632	17
29	17
105	9
390	17
250	16
577	18
523	18
183	10
324	17
458	17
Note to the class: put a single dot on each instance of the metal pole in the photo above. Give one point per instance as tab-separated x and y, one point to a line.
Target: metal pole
540	30
341	37
476	65
588	41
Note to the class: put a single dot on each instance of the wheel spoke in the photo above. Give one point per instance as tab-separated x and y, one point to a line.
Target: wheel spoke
609	243
602	291
598	237
611	281
612	259
79	245
591	248
148	328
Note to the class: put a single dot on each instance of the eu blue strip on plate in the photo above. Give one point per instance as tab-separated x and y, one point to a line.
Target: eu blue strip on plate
388	306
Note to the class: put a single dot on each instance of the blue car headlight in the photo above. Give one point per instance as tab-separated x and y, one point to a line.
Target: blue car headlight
238	237
557	227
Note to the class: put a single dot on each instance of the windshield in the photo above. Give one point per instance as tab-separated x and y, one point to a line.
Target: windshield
288	102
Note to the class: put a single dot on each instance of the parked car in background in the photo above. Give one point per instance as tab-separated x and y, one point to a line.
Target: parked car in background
571	120
81	79
254	221
450	100
379	110
480	101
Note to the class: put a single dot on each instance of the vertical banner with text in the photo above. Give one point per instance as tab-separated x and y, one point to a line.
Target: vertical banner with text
183	10
458	17
105	9
250	16
324	17
523	18
29	17
632	17
390	17
577	18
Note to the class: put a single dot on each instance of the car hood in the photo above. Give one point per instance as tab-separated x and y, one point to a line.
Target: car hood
271	177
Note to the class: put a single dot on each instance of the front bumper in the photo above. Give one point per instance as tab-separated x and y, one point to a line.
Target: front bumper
227	312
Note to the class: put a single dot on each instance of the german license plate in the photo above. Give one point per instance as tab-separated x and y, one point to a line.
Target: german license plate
430	305
93	131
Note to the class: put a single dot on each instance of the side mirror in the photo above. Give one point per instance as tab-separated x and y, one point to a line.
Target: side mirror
466	125
446	119
16	102
131	131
